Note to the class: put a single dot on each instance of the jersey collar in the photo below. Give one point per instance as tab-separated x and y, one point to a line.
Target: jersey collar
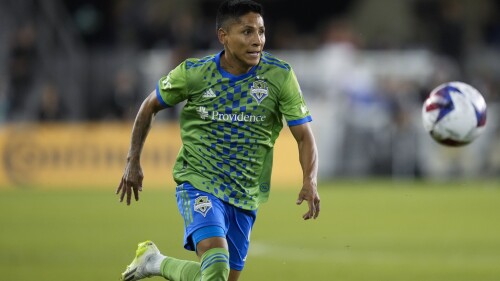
230	76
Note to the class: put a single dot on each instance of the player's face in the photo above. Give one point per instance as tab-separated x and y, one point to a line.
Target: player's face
243	43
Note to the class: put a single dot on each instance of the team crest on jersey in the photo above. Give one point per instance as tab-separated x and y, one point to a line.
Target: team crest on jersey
264	187
258	90
202	205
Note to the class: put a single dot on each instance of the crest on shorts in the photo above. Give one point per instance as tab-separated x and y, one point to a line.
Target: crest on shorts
258	90
202	205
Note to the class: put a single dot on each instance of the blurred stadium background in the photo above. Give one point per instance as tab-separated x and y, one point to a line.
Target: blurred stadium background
73	74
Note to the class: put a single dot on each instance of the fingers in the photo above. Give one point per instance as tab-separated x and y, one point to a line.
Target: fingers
129	194
124	188
313	207
119	187
316	209
128	189
136	192
299	200
140	187
311	212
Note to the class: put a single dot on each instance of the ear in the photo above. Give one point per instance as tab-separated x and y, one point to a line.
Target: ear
221	34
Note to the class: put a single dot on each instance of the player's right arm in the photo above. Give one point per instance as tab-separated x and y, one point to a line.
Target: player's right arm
132	176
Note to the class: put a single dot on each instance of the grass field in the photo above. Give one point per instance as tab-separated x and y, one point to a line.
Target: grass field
373	230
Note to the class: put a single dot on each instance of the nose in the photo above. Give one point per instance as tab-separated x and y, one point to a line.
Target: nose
259	39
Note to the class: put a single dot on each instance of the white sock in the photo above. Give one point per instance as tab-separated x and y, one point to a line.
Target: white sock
154	264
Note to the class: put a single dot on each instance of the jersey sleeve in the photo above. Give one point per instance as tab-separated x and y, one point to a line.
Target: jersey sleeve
292	104
172	89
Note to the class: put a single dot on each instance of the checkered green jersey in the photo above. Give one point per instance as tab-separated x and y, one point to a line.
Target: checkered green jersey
229	124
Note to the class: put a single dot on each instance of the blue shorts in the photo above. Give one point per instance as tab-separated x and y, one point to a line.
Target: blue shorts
207	216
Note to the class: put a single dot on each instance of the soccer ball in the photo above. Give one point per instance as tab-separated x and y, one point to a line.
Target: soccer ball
454	113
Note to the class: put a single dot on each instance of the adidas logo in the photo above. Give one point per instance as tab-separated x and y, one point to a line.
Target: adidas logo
209	93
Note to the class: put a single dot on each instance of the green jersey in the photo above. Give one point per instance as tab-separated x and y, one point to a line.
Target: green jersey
229	124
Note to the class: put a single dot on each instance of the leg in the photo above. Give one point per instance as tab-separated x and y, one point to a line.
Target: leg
234	275
198	212
214	256
205	230
212	238
214	264
147	257
210	243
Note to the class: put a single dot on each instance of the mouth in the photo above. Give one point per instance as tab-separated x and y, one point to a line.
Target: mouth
254	54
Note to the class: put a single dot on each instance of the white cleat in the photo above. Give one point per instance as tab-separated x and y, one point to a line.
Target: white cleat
146	252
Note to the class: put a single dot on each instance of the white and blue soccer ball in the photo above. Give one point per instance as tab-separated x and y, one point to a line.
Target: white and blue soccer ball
454	114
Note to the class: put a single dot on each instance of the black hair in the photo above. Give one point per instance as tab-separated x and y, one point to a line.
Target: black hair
233	9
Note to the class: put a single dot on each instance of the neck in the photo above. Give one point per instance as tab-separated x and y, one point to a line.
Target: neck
232	66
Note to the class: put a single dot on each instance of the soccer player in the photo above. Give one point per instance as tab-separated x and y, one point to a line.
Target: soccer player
236	101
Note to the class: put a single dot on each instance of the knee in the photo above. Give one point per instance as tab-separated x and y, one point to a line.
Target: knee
210	243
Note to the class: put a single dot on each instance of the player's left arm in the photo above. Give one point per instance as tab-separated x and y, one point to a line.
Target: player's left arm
308	157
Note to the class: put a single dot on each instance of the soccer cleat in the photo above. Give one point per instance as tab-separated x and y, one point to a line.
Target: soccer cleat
146	252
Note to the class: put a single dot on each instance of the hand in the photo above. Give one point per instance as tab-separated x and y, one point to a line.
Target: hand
309	192
131	182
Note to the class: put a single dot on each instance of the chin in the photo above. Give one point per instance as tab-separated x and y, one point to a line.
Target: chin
253	62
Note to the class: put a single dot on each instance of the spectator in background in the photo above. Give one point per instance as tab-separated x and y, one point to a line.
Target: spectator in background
3	100
440	24
491	27
124	98
451	30
351	88
51	107
22	66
